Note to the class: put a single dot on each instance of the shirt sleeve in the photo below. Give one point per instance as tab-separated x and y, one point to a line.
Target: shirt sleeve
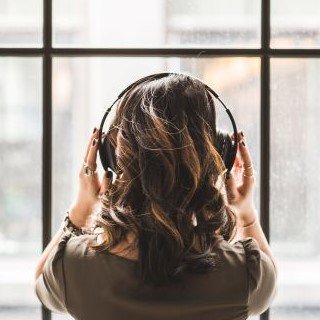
50	286
262	277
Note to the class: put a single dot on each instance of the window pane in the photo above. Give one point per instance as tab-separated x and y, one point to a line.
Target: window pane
20	23
83	88
295	186
295	24
20	186
212	23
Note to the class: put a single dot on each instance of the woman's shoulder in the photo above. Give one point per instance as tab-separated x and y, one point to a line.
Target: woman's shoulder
66	266
77	247
233	252
260	270
256	260
247	252
72	248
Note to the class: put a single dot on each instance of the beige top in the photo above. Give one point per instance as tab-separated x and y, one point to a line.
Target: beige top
93	286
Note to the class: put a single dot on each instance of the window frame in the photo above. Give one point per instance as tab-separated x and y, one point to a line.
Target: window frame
47	52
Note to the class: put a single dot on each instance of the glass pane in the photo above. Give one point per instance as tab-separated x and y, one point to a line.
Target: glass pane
20	23
295	24
20	186
295	186
83	88
122	23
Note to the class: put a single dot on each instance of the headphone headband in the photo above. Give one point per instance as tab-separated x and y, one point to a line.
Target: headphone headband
160	75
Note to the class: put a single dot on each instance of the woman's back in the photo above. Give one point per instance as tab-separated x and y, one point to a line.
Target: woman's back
100	285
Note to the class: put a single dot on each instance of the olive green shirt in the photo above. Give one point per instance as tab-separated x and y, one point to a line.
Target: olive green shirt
92	285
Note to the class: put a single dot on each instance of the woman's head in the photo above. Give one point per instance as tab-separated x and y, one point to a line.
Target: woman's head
168	167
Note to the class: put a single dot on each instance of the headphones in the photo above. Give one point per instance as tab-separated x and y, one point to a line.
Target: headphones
224	145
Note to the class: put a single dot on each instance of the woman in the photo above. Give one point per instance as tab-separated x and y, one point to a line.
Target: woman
178	238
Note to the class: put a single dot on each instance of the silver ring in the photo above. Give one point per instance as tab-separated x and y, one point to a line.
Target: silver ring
249	167
87	170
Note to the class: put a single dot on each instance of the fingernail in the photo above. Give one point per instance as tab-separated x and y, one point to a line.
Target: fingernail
109	174
94	130
93	142
242	133
243	143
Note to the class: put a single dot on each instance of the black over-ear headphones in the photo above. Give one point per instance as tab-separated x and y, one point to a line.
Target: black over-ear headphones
224	144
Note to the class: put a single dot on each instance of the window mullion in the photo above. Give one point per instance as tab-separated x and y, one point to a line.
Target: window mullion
46	131
265	126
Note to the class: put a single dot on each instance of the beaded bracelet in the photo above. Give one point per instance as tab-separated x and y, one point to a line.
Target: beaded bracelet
69	226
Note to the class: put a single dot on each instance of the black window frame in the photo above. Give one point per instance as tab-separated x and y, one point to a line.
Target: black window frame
47	52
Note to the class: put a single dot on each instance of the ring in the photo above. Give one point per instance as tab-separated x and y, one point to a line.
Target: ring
87	170
248	175
249	167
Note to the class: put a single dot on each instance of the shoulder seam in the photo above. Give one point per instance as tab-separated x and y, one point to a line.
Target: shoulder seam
66	237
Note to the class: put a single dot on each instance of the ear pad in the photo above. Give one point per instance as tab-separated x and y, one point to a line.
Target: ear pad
226	148
107	155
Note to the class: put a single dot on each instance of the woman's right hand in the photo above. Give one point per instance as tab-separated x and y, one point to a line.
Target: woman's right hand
240	184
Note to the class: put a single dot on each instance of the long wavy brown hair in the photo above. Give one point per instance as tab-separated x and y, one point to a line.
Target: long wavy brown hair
166	191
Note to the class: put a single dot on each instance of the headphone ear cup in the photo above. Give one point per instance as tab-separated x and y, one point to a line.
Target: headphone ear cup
226	148
107	155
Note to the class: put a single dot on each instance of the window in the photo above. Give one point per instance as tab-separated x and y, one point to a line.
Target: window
63	62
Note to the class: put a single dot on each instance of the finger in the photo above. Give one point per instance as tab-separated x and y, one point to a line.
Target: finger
238	167
248	174
93	135
231	186
92	154
106	182
243	161
238	163
245	154
239	135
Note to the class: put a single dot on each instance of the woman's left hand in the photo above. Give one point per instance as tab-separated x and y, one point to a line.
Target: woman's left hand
90	188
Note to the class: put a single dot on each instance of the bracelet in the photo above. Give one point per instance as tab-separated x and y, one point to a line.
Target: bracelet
70	227
249	224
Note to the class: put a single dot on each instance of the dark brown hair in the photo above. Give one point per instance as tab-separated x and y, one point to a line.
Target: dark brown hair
164	136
